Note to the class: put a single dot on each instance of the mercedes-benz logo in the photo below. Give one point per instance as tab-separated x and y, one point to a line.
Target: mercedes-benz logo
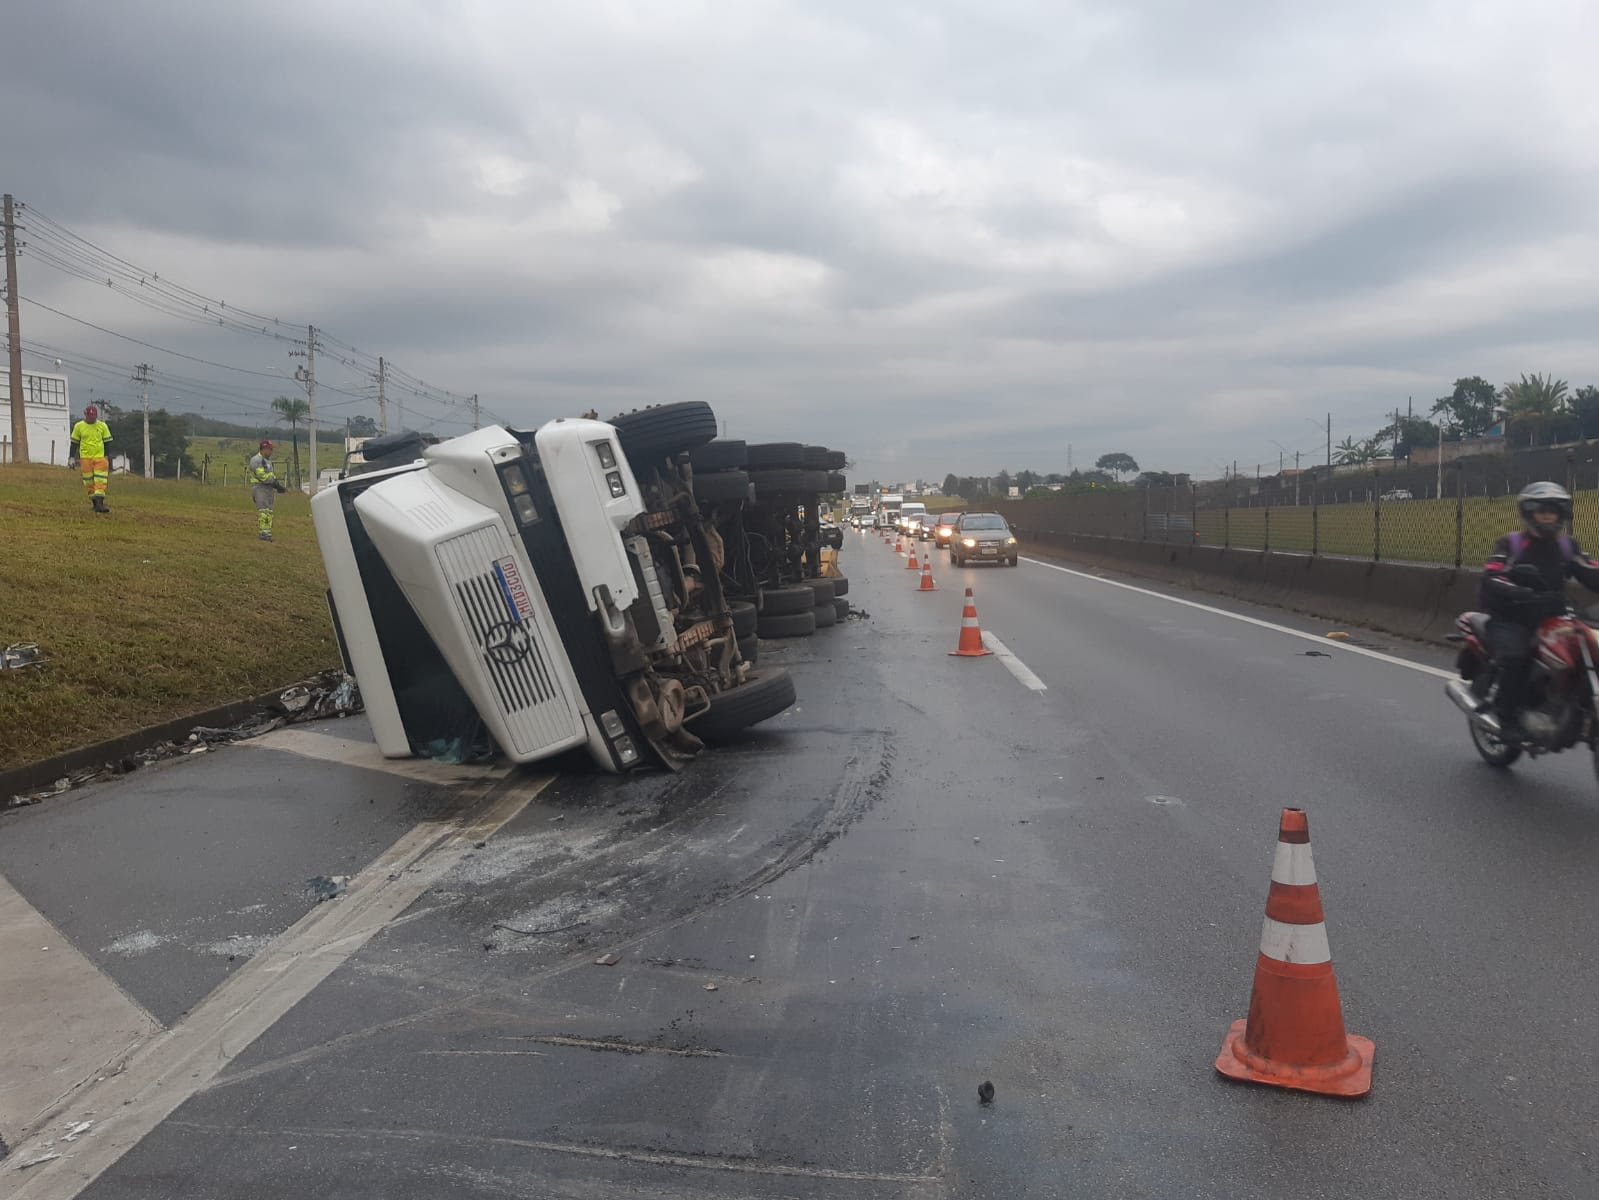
508	643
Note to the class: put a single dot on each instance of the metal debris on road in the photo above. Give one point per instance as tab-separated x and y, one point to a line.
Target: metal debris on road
538	932
607	960
331	694
1317	654
710	987
19	655
985	1092
326	887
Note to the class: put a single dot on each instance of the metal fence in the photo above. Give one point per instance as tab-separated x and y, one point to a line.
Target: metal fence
1458	529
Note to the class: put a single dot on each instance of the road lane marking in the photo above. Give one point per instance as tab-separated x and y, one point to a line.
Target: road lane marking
353	752
170	1067
65	1022
1323	642
1013	664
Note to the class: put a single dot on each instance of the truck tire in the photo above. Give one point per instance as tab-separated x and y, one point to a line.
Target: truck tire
743	617
815	458
826	615
767	456
823	590
782	625
716	486
762	696
836	483
720	455
840	585
815	481
777	479
841	607
651	434
836	459
777	602
749	649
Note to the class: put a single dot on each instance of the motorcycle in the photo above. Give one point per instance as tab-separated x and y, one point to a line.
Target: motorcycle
1562	707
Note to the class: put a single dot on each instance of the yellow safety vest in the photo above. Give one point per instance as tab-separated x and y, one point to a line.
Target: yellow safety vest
91	439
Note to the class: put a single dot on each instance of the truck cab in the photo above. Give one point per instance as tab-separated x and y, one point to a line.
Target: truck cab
530	592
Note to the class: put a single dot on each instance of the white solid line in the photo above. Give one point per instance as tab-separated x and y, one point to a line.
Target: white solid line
1013	664
172	1066
1328	643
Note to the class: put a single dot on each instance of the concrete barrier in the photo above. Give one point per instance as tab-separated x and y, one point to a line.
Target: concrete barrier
1410	600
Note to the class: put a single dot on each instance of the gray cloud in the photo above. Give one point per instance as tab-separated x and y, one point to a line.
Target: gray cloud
955	235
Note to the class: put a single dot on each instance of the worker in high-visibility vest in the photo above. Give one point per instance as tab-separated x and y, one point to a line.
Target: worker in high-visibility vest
264	487
91	441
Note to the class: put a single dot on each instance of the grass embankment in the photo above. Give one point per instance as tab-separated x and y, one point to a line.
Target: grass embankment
168	606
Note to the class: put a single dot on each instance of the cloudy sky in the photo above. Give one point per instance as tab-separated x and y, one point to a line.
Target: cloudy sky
954	235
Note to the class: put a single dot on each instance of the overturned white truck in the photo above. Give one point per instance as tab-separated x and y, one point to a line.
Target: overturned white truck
545	590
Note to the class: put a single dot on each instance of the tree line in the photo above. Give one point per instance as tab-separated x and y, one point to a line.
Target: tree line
1531	411
1107	475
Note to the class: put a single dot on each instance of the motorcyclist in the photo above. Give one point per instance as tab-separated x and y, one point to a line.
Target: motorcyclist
1524	582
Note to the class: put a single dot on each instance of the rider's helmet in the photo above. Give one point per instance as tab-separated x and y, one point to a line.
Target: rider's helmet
1544	497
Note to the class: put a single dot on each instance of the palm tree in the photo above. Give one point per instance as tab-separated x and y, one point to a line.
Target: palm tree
1532	400
1349	451
292	410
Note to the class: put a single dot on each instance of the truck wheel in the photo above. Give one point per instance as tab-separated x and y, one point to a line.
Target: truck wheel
836	483
656	433
720	456
816	458
836	460
815	481
823	588
721	485
777	602
763	695
743	617
783	479
766	456
840	585
826	615
782	625
841	608
749	649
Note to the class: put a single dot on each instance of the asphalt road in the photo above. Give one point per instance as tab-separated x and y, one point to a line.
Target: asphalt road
929	875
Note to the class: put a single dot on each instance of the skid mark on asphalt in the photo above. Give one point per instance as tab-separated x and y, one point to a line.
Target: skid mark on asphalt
699	1162
1320	640
866	776
171	1066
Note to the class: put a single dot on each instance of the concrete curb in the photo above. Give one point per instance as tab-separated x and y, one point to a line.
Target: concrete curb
33	777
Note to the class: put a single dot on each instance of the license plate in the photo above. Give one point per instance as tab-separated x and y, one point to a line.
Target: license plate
990	549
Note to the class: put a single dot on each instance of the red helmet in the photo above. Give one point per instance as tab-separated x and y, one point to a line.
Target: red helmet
91	413
267	446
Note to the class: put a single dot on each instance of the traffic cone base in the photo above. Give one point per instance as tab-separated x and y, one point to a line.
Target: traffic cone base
971	639
1294	1035
1350	1077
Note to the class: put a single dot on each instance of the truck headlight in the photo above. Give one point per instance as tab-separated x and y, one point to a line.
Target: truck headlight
607	455
615	481
525	512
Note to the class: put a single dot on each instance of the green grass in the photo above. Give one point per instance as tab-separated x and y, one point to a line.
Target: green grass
168	606
1421	531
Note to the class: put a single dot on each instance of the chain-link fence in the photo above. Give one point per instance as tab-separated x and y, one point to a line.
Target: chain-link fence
1458	529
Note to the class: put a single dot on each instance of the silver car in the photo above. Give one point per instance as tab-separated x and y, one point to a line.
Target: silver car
982	537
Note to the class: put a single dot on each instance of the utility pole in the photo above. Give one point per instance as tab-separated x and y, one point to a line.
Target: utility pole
141	376
307	376
474	411
1296	479
383	404
19	408
1329	443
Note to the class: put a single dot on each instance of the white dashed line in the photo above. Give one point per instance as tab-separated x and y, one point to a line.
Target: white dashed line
1013	664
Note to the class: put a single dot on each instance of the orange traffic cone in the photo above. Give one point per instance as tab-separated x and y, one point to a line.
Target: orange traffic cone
899	546
911	564
971	640
927	576
1294	1036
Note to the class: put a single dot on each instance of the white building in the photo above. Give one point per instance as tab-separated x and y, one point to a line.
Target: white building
47	407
